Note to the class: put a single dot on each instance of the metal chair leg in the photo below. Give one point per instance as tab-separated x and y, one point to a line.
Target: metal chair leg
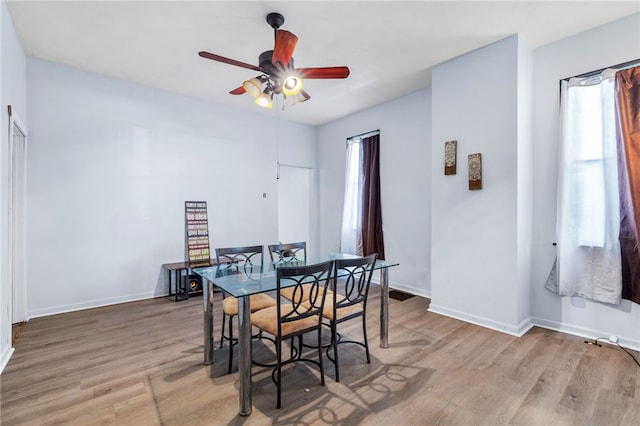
335	349
279	370
366	341
320	356
230	344
222	336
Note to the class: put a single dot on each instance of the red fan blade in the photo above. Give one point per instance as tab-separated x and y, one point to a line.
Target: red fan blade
283	49
327	72
238	91
224	60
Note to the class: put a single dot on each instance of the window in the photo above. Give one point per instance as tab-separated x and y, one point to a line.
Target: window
351	240
590	151
362	215
588	221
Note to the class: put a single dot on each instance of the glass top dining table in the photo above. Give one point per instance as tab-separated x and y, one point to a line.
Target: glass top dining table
241	281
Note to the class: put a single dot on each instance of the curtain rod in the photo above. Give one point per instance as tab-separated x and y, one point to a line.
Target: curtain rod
362	135
618	67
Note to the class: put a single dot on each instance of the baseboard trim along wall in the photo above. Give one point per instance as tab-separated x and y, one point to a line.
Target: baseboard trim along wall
405	288
528	323
587	333
517	331
53	310
6	356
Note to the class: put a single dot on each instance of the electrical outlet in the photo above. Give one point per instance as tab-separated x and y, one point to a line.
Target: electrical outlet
613	338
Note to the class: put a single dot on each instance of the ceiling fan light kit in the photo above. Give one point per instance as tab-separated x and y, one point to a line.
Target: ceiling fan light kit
292	86
264	100
253	87
279	76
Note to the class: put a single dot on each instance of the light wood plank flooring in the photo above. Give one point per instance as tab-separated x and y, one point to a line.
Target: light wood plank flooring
140	363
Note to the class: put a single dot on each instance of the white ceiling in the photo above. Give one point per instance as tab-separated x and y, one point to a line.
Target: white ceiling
389	46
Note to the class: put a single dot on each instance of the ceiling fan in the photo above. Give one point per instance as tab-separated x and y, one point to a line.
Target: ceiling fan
278	74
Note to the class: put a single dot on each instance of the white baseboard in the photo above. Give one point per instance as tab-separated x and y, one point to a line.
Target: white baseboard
406	288
514	330
411	290
528	323
588	333
60	309
6	356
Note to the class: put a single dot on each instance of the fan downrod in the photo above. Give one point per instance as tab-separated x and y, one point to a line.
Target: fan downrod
275	20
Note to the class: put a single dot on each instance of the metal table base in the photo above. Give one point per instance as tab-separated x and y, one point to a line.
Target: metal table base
244	335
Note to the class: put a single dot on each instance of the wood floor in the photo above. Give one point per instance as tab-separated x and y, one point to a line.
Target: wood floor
140	363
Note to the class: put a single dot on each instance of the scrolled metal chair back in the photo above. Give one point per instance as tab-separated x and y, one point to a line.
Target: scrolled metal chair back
288	253
355	278
315	278
246	257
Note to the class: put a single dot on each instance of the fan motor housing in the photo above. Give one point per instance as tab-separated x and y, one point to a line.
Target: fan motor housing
264	62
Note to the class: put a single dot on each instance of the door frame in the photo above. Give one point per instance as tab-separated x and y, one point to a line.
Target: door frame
16	196
312	231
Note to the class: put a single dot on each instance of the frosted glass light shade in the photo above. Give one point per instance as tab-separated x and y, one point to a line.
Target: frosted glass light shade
300	97
253	87
264	100
292	86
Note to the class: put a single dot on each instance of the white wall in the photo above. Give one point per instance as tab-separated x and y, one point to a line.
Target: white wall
12	92
476	272
405	161
110	165
490	250
610	44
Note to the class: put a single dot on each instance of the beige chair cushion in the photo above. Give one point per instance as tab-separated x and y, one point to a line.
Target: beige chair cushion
256	302
342	312
287	293
346	311
267	320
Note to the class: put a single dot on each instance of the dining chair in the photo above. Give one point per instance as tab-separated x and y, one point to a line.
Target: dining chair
348	300
290	254
240	257
288	319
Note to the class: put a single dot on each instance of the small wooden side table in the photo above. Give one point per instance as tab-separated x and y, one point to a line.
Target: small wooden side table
179	281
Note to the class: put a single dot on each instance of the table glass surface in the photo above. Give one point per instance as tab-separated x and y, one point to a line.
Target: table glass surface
245	280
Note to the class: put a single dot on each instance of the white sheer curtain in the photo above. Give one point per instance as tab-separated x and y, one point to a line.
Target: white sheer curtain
589	259
351	240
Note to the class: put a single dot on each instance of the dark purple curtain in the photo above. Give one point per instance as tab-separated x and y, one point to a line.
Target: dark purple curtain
372	239
628	141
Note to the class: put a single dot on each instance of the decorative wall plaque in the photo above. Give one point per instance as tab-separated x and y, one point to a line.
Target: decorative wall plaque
197	230
475	171
450	157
